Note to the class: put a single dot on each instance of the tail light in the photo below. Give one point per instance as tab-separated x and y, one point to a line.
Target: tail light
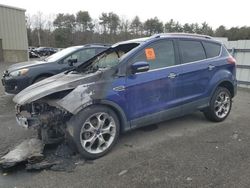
231	60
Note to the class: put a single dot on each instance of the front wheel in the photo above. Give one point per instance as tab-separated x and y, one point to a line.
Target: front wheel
93	131
220	105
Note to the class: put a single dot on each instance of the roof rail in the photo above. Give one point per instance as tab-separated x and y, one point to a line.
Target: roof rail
181	34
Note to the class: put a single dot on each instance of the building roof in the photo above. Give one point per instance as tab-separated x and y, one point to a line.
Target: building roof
11	7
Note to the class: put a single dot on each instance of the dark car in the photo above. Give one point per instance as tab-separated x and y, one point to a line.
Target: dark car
163	77
45	51
33	54
21	75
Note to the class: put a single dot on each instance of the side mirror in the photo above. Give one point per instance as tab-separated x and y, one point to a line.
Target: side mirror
72	61
140	66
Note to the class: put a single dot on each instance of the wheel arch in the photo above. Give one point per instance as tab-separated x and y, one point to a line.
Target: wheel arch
125	125
223	78
226	84
229	85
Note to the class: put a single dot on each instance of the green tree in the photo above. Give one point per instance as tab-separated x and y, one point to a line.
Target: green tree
221	31
188	28
65	26
136	25
153	25
110	22
197	28
169	26
67	21
104	21
206	29
84	21
114	22
124	28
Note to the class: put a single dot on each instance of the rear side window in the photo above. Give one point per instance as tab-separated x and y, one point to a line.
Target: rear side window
191	51
212	49
159	54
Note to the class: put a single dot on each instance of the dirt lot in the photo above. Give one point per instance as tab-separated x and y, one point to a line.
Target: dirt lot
185	152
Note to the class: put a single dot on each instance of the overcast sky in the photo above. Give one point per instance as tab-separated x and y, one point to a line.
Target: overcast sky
214	12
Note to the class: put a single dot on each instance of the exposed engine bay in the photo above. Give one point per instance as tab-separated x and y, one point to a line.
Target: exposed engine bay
48	120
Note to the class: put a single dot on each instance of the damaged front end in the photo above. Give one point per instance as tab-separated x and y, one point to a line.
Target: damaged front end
57	100
50	113
48	120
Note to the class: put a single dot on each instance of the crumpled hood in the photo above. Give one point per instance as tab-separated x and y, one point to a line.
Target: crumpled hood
59	82
26	64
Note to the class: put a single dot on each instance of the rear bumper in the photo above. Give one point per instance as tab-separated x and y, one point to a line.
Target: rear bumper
14	85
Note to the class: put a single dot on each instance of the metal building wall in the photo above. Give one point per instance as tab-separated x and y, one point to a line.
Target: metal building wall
13	33
241	51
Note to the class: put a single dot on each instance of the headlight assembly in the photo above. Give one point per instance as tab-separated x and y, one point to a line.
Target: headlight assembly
19	72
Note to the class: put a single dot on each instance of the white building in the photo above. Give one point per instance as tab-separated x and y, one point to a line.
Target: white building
13	34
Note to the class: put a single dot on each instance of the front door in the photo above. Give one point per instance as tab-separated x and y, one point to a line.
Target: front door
151	93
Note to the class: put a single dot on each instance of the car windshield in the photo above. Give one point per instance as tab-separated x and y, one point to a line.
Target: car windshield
62	53
108	60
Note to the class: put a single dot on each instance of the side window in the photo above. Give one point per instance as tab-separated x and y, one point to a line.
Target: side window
158	55
191	51
212	49
81	56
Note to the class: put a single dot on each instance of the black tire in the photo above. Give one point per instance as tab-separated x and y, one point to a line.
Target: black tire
78	121
210	112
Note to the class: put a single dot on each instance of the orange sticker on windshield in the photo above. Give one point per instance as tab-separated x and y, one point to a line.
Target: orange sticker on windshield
150	53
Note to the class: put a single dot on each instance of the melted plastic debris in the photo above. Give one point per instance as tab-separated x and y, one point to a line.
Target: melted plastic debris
61	159
30	149
33	156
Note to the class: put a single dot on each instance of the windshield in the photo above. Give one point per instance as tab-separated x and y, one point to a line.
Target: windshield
108	60
62	53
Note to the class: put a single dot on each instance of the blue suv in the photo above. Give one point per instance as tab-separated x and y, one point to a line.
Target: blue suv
131	84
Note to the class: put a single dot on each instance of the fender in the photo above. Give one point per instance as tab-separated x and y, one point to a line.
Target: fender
86	95
219	77
125	124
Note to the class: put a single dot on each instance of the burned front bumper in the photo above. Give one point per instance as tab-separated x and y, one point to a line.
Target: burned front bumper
26	122
48	120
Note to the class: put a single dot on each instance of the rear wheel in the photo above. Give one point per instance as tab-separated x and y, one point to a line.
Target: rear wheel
220	105
93	131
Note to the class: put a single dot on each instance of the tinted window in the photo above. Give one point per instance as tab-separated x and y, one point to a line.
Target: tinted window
158	55
212	49
191	51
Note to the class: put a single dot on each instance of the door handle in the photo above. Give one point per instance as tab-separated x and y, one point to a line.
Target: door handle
172	75
119	88
211	67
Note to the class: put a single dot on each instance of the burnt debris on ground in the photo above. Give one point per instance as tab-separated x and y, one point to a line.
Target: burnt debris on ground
33	155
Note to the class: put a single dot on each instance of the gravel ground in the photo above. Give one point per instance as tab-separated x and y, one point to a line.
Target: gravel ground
186	152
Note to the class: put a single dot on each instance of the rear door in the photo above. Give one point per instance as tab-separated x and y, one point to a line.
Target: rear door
153	92
197	69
